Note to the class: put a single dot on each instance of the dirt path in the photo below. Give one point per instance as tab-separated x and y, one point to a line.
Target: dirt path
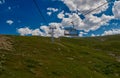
5	43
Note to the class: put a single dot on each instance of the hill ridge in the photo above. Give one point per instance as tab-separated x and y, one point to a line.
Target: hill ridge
38	57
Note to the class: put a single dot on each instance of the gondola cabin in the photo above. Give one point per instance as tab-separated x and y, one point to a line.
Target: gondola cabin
70	31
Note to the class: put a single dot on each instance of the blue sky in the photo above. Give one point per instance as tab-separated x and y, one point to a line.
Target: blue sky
21	17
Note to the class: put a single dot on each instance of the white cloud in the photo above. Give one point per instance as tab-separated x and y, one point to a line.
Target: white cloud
9	8
61	15
93	35
42	31
28	31
70	4
10	22
116	9
37	32
111	32
91	22
24	31
51	10
49	13
81	34
94	22
45	30
2	1
85	5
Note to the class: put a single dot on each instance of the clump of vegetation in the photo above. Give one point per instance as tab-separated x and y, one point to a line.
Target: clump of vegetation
38	57
2	62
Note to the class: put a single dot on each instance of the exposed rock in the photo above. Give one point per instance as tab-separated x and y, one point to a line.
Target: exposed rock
5	43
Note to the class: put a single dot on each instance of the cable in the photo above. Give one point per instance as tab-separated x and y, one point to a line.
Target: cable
96	8
40	11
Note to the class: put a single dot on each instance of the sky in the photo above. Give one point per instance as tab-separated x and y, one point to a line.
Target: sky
89	17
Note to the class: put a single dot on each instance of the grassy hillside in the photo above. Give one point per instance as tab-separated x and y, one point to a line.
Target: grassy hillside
37	57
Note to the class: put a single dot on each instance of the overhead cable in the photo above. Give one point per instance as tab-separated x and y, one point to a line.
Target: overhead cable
96	8
39	10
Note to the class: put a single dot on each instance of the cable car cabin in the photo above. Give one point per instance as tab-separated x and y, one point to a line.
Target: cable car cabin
70	32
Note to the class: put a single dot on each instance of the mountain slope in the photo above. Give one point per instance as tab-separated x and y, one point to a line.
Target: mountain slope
37	57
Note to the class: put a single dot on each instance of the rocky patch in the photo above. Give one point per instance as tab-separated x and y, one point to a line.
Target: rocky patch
5	43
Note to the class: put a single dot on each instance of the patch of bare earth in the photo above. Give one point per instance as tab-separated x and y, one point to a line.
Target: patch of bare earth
116	56
5	43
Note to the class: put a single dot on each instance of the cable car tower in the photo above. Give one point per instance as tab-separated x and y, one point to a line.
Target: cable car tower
52	28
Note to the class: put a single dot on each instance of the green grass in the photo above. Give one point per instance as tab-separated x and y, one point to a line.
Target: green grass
37	57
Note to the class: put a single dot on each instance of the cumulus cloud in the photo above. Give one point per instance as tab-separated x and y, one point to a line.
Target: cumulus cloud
10	22
116	9
111	32
28	31
43	31
61	15
90	22
85	5
51	10
24	31
37	32
94	22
